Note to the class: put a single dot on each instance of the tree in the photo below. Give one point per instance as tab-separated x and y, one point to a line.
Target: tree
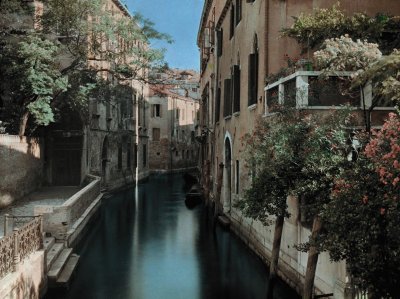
273	150
71	33
325	149
363	213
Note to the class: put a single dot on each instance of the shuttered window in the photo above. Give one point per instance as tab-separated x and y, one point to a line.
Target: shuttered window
220	36
236	88
232	22
227	97
253	78
217	104
238	11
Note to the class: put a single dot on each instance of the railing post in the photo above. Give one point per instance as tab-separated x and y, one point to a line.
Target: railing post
16	249
6	224
41	232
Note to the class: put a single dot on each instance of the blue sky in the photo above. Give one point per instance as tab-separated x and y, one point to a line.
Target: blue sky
178	18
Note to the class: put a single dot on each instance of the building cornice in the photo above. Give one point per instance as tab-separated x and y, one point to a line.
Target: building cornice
223	13
123	7
204	16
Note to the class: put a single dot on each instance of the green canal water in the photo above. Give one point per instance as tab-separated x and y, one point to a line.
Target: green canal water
147	244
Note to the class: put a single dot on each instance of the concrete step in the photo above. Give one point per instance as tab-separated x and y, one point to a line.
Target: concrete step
48	242
53	253
69	269
59	264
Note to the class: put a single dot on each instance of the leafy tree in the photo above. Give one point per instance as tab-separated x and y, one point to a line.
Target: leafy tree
33	77
46	53
363	213
325	151
273	149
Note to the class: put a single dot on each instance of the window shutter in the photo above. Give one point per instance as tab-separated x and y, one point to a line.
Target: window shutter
220	35
152	110
236	88
217	104
253	78
227	97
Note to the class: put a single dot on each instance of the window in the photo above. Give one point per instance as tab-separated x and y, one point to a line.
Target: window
194	89
183	135
253	74
192	136
227	97
144	155
156	110
220	37
232	22
177	153
217	104
238	11
177	113
183	154
119	156
156	134
236	88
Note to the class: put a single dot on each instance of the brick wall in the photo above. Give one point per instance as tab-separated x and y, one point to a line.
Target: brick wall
21	167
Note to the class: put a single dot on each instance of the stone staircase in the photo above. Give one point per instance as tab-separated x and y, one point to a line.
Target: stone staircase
61	263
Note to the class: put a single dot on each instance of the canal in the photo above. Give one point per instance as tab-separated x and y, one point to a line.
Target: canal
148	245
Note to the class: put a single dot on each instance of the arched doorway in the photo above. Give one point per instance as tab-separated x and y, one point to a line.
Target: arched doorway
227	175
104	161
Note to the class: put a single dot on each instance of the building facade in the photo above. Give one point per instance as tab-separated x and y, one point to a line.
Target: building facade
240	43
111	140
173	119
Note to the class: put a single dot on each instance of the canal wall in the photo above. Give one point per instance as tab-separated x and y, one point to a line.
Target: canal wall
21	167
330	277
68	222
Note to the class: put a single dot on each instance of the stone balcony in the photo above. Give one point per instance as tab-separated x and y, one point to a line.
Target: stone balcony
305	90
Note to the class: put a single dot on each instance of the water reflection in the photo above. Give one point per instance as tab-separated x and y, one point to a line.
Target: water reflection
150	246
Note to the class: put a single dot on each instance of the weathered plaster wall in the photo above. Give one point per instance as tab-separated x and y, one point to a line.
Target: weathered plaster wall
28	281
21	167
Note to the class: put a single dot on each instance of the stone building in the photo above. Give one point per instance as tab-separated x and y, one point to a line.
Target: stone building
240	46
173	119
109	141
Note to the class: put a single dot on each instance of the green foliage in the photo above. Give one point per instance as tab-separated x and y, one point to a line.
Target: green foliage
33	76
326	148
310	30
273	150
47	67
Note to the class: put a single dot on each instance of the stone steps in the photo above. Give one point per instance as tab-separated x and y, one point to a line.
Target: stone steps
48	243
55	270
52	254
68	271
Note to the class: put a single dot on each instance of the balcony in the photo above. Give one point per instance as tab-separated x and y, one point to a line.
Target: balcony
304	90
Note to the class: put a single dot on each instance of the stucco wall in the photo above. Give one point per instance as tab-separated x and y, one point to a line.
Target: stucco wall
21	167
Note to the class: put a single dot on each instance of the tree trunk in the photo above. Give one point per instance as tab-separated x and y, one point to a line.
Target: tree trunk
276	247
22	123
312	261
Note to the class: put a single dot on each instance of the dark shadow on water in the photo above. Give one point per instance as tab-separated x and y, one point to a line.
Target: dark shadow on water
148	245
